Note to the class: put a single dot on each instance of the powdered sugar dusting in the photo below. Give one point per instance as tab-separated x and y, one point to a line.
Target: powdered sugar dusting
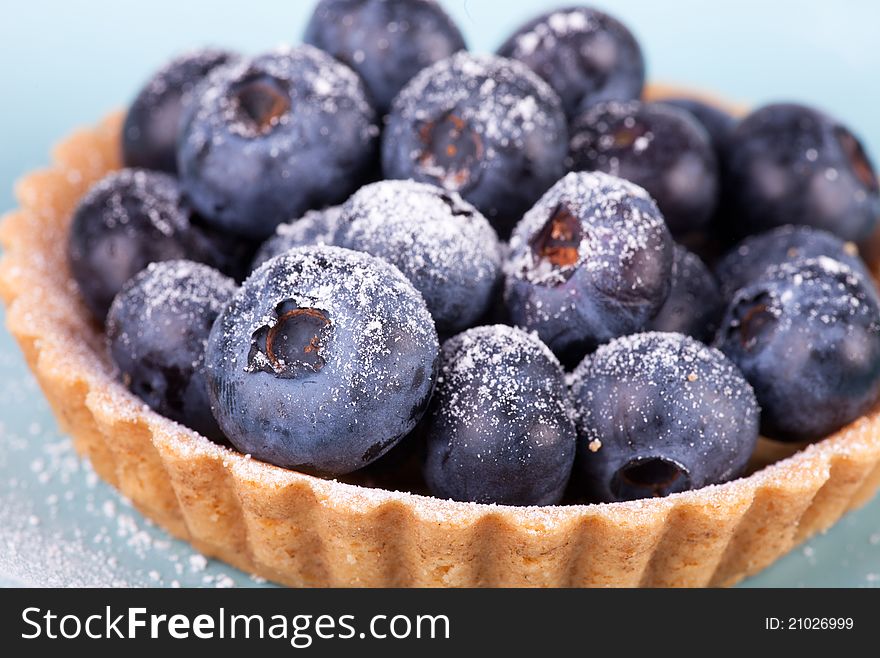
155	195
183	286
685	378
315	81
615	231
501	99
440	242
557	25
513	393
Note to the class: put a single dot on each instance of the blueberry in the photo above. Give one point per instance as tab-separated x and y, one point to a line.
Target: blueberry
717	123
753	256
441	243
483	126
323	361
660	413
316	227
694	303
126	221
584	54
656	146
499	429
591	261
807	337
269	138
149	134
227	252
157	328
790	164
386	41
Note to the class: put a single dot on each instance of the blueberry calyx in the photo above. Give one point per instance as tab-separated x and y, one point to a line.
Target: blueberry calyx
752	318
292	344
260	101
452	151
559	240
627	135
857	158
649	477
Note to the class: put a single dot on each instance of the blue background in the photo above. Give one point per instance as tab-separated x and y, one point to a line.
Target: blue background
65	64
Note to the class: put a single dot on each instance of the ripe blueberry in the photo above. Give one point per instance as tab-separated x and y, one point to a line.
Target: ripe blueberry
591	261
323	361
660	413
499	429
483	126
157	328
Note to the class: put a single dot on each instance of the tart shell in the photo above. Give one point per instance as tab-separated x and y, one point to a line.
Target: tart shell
300	530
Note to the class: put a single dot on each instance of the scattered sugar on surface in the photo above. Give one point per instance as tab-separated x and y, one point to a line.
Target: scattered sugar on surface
557	26
60	526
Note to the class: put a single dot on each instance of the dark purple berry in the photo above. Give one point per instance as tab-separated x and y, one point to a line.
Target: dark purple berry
791	164
323	361
483	126
806	335
149	134
385	41
157	328
584	54
591	261
660	413
269	138
658	147
499	429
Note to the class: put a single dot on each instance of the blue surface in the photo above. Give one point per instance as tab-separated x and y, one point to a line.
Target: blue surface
63	65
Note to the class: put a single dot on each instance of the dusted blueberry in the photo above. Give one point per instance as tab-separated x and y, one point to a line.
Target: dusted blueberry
748	260
499	429
591	261
126	221
718	123
386	41
584	54
323	361
441	243
157	328
483	126
658	147
660	413
149	134
316	227
807	337
694	304
790	164
269	138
